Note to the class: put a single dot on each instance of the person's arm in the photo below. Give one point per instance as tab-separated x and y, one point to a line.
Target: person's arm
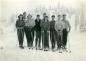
33	22
48	26
16	24
62	26
55	26
23	24
69	26
42	25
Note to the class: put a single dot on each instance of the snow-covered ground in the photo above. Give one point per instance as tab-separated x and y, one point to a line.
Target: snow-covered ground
11	52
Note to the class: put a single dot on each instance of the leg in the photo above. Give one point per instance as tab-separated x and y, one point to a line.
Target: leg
59	40
36	41
20	33
32	32
30	38
42	35
27	33
51	39
45	39
46	44
39	39
56	37
64	38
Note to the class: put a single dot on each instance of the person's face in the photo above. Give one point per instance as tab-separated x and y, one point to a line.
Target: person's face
29	17
59	17
38	17
64	17
20	17
44	15
53	18
46	18
24	14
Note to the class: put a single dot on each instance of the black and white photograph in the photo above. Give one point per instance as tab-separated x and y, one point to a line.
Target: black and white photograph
42	30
